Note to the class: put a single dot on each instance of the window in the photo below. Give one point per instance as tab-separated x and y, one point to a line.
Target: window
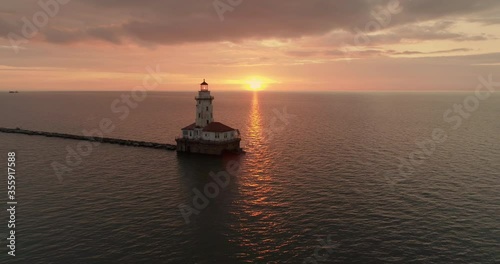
207	122
207	108
199	115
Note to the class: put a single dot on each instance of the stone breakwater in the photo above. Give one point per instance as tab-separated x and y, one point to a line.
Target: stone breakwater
124	142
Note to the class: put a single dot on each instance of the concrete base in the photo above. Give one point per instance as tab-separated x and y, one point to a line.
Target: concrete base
208	147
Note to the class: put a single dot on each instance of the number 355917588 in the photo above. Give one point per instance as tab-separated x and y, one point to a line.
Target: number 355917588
11	175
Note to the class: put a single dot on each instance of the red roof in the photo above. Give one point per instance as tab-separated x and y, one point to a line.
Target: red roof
190	127
217	127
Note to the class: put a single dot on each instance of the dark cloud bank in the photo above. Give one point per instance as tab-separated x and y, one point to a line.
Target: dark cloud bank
152	22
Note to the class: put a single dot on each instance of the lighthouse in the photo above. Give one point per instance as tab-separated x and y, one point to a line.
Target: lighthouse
204	109
206	136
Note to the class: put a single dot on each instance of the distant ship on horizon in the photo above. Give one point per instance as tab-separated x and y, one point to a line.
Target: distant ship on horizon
13	92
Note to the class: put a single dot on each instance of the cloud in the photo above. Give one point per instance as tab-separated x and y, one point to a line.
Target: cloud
172	22
366	53
487	20
412	52
440	30
107	34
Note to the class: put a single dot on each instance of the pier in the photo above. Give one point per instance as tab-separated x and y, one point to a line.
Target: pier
116	141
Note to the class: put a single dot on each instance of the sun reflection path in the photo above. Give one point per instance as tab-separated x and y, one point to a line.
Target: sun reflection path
261	209
255	125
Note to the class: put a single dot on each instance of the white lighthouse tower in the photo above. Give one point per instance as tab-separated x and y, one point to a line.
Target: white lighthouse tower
204	110
205	135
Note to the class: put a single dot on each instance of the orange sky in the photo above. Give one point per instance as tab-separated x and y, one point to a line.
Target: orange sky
279	45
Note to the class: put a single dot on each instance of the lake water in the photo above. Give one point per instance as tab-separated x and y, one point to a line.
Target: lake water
327	178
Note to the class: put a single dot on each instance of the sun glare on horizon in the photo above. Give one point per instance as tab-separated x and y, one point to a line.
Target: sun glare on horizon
257	83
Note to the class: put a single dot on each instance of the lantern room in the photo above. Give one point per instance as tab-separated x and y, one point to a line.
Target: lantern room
204	86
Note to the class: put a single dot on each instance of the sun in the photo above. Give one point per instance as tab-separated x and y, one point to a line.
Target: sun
255	84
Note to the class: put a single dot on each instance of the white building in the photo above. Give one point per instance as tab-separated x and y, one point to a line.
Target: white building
205	135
